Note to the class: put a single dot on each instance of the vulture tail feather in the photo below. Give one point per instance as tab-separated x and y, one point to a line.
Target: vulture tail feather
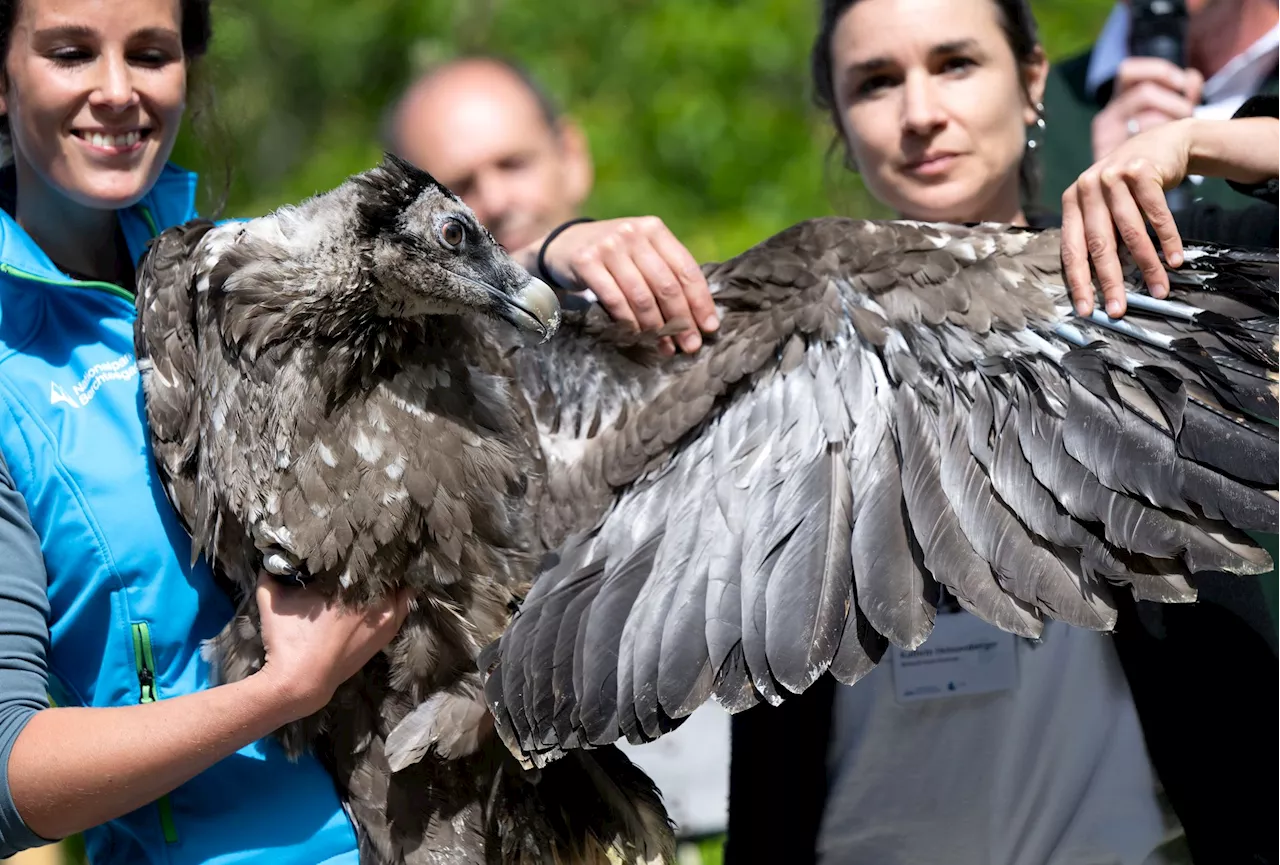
589	806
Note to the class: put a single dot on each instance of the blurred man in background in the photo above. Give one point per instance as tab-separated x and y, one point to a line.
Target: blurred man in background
489	133
485	129
1097	100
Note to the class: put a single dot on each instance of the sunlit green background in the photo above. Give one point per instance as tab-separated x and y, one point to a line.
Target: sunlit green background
697	110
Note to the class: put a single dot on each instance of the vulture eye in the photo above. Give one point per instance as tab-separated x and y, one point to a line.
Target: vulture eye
452	233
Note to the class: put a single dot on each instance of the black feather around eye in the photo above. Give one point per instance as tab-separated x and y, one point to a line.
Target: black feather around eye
389	189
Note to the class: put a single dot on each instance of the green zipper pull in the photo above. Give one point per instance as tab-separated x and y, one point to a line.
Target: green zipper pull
145	664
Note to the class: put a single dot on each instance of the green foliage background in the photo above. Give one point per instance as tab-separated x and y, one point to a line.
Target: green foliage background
697	110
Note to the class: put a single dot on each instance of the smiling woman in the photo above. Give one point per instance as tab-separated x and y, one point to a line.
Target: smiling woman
102	612
91	115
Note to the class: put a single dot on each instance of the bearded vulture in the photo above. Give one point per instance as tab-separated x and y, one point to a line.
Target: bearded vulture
600	539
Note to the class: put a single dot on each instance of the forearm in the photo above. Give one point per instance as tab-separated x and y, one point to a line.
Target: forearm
1245	150
73	768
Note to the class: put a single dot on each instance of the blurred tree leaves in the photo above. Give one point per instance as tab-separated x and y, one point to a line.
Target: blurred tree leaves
697	110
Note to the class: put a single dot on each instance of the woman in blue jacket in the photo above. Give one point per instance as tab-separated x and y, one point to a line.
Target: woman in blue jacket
100	613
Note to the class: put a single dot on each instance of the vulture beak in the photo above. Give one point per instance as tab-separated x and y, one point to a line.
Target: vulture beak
534	306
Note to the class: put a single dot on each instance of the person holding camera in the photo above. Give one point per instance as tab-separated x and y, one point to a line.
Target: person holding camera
1156	61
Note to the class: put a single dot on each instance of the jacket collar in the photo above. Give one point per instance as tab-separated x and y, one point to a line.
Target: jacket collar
170	202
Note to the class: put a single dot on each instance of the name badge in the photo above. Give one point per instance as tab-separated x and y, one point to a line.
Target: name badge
963	656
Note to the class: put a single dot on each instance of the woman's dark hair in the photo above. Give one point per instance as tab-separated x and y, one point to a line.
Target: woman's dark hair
1019	27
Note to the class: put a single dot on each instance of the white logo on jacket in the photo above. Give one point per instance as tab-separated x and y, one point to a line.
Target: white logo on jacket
122	368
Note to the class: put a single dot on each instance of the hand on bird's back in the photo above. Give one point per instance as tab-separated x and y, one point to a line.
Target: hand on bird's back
1113	201
314	644
640	273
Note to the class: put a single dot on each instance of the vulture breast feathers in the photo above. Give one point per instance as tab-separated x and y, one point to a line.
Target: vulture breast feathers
345	394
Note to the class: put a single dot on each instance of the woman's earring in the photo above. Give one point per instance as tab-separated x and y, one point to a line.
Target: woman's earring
1037	132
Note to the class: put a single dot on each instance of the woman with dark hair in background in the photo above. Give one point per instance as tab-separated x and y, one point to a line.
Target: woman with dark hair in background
1068	749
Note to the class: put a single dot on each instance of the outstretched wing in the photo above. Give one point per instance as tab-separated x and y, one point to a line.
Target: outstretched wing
888	408
165	344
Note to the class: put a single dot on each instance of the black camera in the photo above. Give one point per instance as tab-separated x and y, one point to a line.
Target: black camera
1158	28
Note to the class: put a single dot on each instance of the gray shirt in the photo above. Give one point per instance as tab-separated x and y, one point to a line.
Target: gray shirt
24	646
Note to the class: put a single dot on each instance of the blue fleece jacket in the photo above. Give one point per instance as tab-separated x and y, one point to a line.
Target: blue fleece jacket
98	606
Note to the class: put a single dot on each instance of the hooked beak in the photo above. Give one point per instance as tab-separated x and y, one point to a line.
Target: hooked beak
533	307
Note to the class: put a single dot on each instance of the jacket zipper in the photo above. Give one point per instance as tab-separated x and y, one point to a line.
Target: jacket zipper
145	664
108	287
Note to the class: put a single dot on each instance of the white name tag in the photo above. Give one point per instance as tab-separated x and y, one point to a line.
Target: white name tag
963	656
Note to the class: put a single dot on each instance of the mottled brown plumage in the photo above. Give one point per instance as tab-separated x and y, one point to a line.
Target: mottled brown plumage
887	411
326	405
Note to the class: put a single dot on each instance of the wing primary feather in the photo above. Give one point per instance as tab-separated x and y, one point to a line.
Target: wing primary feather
1129	455
895	592
861	648
598	704
1030	572
642	637
684	674
948	554
1230	444
1127	523
809	592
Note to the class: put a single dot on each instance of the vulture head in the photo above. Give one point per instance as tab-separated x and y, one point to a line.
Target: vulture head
427	254
378	256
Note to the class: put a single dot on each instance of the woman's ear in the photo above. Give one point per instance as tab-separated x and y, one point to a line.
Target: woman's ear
1035	72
